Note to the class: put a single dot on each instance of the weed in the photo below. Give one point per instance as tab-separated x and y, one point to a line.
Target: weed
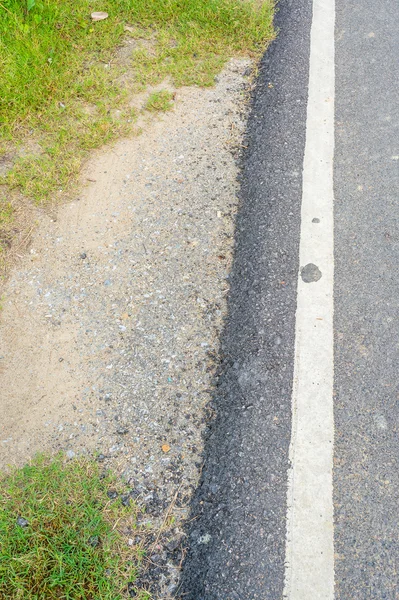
6	220
6	213
58	533
159	101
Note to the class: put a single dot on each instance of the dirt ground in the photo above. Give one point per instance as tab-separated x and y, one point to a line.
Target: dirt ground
109	327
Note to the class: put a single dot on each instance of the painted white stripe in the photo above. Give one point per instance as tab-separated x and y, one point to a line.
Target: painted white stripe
309	550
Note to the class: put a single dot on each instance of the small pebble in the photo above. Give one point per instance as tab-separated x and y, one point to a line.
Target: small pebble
131	590
94	541
173	544
172	588
125	500
22	522
122	431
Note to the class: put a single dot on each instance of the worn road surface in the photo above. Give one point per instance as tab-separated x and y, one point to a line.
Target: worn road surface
299	496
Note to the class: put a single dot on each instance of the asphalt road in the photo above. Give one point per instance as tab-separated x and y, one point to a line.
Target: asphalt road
367	301
238	538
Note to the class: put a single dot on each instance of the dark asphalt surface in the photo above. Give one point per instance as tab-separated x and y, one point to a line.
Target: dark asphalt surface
241	502
237	536
367	301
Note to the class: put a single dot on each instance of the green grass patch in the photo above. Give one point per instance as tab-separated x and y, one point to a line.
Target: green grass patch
6	223
6	213
58	534
64	85
159	101
53	52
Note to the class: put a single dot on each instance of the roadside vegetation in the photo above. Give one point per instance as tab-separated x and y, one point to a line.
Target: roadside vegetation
67	86
159	101
67	81
60	533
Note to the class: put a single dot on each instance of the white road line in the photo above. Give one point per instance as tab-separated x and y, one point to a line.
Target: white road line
309	550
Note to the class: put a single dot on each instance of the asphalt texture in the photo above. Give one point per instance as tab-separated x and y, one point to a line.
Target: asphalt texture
237	537
238	528
366	320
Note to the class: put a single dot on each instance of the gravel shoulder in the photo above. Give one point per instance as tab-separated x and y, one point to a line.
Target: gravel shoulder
109	328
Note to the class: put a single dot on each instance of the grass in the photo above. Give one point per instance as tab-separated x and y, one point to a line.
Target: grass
64	89
59	536
6	213
159	101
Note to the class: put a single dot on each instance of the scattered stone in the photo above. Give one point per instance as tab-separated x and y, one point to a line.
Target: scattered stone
204	539
122	431
22	522
174	543
156	558
83	255
135	493
131	590
99	15
94	541
70	454
172	588
112	494
381	422
125	499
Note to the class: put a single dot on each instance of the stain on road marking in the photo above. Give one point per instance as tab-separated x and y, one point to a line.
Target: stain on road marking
310	273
